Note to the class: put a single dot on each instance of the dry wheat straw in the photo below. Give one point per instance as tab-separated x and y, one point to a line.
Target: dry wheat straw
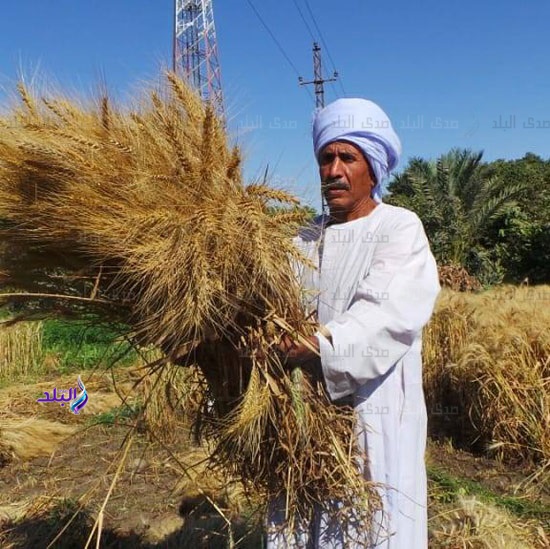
141	217
20	349
487	364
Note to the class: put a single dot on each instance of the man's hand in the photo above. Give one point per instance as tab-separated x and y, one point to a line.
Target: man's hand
297	353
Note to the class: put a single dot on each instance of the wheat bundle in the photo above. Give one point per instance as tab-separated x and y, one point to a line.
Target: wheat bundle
140	216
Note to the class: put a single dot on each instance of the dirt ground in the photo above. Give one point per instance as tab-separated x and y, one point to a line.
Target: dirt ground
165	497
57	466
145	507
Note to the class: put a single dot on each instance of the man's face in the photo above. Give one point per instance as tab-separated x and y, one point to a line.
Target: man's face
346	179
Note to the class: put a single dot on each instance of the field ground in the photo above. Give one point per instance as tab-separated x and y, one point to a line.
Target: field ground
133	473
58	467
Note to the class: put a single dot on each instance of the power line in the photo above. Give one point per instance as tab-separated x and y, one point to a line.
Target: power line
319	81
324	43
304	20
277	43
334	90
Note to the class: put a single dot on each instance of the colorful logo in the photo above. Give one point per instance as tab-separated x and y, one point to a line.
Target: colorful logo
81	400
76	401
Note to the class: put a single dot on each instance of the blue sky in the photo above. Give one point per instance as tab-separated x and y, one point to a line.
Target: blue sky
449	74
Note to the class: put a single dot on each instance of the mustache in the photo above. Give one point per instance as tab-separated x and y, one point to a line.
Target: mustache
334	184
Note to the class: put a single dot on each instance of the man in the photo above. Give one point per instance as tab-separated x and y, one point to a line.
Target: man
376	285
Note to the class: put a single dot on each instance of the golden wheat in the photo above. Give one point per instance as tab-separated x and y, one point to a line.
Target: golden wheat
487	370
27	438
140	216
20	349
473	524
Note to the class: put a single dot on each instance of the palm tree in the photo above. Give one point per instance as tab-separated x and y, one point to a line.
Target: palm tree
457	201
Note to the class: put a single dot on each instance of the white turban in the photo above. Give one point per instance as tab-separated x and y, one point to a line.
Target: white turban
366	125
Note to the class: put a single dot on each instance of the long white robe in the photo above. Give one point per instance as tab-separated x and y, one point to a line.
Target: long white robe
375	288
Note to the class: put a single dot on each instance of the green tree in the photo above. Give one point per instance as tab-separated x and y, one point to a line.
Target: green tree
521	236
459	201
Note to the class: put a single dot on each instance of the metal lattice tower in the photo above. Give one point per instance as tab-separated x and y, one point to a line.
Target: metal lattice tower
195	55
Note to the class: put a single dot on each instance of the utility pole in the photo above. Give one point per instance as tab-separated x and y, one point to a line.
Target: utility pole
318	79
195	52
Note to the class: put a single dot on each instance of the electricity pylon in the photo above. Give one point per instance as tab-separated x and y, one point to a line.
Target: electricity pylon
195	53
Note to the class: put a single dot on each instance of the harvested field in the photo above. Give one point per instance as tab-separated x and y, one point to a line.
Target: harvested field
165	496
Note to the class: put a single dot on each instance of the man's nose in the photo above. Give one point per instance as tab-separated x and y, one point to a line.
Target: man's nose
335	169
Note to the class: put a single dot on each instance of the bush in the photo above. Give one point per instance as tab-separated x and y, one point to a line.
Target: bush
80	344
